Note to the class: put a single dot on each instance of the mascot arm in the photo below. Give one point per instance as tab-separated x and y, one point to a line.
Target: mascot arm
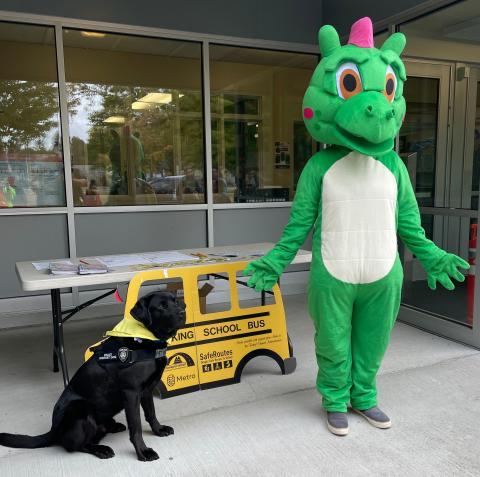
439	265
266	271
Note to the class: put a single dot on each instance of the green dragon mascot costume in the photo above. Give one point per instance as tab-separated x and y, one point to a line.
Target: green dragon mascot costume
357	195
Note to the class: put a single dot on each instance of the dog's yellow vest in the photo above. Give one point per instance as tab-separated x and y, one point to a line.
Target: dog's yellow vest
129	327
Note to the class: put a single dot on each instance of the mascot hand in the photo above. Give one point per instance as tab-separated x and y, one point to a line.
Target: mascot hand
263	277
446	268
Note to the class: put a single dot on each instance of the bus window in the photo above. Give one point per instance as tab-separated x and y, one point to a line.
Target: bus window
248	297
174	286
209	301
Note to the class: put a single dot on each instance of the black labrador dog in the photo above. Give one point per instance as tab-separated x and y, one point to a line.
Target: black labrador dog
125	379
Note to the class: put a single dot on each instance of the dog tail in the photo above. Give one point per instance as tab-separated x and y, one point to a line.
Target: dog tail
20	441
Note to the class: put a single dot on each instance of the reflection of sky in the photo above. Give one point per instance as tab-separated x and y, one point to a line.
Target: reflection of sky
79	123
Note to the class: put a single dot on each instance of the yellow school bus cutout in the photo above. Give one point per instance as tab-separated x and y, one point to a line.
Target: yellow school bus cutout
213	348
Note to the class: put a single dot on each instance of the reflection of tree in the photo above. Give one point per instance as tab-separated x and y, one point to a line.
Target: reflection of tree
29	110
99	144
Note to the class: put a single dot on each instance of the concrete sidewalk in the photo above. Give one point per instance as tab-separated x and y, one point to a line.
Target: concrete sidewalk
267	425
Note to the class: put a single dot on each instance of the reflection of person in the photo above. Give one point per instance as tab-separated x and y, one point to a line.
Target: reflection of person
138	155
118	185
91	197
191	184
219	182
251	181
10	191
78	183
114	154
168	158
250	188
358	195
3	202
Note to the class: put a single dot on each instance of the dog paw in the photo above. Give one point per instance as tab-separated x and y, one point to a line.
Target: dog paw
117	427
103	452
147	455
163	431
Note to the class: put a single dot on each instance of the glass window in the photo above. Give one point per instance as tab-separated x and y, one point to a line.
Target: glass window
456	305
418	136
259	143
31	160
476	151
449	33
136	120
380	37
439	144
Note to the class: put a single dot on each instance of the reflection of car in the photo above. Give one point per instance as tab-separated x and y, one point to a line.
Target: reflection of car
165	184
265	194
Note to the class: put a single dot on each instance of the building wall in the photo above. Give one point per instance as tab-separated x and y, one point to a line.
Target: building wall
43	237
40	237
287	20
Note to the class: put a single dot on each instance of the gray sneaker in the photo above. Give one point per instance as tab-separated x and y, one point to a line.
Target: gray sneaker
337	423
376	417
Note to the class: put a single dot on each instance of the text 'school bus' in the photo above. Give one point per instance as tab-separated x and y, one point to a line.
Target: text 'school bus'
213	348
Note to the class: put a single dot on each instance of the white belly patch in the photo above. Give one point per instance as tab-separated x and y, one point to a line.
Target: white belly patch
359	239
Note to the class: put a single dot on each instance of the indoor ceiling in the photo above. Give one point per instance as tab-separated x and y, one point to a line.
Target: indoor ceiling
15	32
114	42
460	22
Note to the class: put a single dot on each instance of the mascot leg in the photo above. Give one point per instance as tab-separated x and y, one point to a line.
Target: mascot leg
331	306
374	314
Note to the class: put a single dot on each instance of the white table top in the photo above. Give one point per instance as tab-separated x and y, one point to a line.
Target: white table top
35	280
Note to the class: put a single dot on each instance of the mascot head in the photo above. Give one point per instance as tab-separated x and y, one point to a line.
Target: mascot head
355	97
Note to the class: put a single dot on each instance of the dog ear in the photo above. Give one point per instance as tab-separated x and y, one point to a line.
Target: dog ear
141	311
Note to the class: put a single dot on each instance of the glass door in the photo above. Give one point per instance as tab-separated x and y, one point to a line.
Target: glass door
440	144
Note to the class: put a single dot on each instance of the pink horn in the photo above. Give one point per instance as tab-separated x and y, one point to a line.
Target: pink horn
361	33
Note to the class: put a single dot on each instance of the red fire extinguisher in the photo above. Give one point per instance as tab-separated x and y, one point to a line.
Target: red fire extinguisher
472	254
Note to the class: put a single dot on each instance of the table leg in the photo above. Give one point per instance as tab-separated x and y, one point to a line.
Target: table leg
58	341
55	334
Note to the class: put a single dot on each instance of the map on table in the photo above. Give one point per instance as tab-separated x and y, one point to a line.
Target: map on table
116	261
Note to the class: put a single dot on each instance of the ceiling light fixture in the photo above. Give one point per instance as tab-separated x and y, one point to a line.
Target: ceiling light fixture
115	120
93	34
139	105
157	98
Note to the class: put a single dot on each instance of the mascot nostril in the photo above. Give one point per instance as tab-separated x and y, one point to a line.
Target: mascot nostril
369	110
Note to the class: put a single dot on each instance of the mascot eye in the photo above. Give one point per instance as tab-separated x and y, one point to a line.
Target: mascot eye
349	82
390	84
